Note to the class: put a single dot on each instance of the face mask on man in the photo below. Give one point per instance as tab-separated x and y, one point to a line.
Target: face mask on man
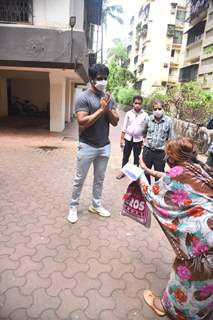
100	85
158	113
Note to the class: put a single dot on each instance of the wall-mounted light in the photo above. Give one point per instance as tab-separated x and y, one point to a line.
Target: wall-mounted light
72	21
72	24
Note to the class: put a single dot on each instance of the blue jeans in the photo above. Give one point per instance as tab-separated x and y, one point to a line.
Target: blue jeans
87	155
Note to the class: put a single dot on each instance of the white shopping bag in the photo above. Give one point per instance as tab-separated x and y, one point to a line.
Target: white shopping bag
134	173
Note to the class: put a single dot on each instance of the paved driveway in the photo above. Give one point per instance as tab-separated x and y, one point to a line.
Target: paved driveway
49	269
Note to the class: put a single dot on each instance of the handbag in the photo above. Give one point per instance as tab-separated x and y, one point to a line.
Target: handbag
135	206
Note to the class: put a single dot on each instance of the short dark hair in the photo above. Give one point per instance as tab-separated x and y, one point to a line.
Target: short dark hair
98	68
137	98
157	101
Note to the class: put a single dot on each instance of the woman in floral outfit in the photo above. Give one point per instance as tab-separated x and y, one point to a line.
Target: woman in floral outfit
182	202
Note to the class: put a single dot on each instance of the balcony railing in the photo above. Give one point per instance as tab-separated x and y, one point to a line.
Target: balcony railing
140	68
178	37
170	30
135	59
129	48
132	20
138	85
196	33
180	16
193	53
16	11
188	73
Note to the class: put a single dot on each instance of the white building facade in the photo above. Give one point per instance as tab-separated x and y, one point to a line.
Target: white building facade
45	48
198	58
156	43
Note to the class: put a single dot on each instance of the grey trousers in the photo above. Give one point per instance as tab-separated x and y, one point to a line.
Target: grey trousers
87	155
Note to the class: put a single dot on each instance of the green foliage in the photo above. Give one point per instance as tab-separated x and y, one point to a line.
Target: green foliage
208	49
141	32
158	94
125	95
197	102
119	76
109	11
118	53
189	102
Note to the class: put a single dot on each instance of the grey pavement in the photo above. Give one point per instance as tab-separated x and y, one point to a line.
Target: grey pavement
50	269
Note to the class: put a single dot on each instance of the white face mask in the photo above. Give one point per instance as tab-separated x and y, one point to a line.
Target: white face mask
158	113
101	85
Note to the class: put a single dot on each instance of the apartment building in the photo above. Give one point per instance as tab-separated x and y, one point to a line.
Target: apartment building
45	48
156	43
198	59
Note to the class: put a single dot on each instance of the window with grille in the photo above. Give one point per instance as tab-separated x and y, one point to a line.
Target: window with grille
135	59
173	7
140	68
196	33
178	36
180	16
16	11
129	48
143	50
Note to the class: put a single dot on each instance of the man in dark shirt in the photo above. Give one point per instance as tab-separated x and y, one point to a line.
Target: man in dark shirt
95	111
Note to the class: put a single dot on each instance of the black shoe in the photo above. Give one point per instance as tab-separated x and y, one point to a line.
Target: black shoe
120	176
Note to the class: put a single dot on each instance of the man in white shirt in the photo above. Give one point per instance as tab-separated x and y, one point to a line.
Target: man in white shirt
133	132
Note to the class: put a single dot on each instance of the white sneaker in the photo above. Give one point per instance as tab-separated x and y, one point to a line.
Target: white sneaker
100	210
72	217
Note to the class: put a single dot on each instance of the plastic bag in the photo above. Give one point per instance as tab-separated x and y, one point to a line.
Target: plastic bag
135	206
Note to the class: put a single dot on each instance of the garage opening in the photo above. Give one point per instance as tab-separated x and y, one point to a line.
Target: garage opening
28	95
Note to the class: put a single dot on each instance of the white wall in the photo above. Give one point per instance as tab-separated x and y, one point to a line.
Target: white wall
156	53
77	9
34	90
51	13
56	13
57	101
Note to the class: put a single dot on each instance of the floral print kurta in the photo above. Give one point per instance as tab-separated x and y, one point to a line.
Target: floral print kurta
186	217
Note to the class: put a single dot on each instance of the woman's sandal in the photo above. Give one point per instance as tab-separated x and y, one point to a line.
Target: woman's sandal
149	299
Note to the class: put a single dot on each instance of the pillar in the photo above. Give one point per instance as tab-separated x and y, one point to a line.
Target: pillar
57	101
3	98
68	101
72	102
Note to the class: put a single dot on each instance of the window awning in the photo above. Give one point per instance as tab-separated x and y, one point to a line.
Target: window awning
199	26
192	65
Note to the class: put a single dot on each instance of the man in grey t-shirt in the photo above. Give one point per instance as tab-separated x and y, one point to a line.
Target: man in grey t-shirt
95	111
